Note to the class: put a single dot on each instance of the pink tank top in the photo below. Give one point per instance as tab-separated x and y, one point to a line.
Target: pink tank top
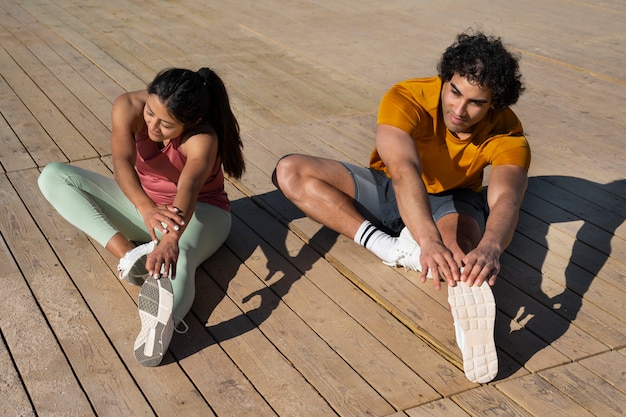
159	170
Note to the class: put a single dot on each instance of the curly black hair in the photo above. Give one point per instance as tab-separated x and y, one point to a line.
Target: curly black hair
484	60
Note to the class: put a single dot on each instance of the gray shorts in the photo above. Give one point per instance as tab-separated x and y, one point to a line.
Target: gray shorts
376	200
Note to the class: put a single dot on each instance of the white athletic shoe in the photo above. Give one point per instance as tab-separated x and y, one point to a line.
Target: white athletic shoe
406	253
156	301
132	266
474	312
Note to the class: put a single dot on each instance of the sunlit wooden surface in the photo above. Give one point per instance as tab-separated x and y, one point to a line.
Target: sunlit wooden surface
289	318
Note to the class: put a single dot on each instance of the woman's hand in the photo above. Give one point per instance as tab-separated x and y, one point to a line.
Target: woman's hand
162	261
166	219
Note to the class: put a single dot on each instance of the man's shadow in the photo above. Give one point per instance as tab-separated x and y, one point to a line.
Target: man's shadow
518	295
259	222
600	208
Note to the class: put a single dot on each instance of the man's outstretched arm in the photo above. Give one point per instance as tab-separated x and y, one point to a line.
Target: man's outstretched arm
507	186
397	150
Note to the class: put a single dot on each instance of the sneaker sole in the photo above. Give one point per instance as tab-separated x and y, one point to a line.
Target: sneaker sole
138	278
156	300
474	312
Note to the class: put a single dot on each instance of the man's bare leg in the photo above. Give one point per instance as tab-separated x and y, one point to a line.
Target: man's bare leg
324	190
460	233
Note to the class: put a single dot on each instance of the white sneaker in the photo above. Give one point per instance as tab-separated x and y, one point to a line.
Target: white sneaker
156	301
132	266
406	253
474	312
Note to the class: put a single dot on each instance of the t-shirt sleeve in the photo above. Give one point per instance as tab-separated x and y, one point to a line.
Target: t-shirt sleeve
510	150
399	109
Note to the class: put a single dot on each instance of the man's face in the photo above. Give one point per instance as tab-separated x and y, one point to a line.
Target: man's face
464	104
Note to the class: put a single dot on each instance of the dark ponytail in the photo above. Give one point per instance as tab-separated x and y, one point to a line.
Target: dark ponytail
193	97
225	124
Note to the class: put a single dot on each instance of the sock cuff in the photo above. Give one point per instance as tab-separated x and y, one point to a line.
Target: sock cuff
364	233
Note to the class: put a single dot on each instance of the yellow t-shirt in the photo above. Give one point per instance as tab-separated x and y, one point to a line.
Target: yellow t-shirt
447	162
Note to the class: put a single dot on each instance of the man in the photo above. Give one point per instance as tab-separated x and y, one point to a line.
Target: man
421	203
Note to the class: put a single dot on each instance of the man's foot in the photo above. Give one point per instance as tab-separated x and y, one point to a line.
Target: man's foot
474	312
132	266
406	252
156	301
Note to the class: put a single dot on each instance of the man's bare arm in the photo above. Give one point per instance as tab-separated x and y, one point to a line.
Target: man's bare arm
397	150
507	186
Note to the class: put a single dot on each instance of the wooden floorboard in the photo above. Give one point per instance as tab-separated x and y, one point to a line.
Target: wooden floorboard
289	318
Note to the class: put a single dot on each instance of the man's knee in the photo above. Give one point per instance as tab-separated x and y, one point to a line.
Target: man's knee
285	170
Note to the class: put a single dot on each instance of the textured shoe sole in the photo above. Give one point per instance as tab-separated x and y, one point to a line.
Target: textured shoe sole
156	301
138	273
474	312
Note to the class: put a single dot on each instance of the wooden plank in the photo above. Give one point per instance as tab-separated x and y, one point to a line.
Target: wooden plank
220	380
609	196
340	385
50	53
365	354
49	380
292	73
512	337
89	127
584	387
34	19
561	269
52	16
544	322
588	313
601	219
61	131
444	407
271	373
610	366
34	138
13	154
15	399
125	53
541	398
487	400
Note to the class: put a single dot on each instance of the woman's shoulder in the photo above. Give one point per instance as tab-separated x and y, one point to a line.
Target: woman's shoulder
132	100
128	109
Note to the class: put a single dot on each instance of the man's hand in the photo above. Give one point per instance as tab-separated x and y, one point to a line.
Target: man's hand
439	261
481	264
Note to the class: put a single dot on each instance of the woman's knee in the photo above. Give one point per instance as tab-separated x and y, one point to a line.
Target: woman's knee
50	171
50	176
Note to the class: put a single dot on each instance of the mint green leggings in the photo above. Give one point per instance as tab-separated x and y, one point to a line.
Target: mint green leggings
96	205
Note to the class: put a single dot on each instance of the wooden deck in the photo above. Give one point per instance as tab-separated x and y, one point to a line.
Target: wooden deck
290	319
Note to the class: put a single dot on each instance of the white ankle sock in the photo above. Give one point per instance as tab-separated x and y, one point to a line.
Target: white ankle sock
375	240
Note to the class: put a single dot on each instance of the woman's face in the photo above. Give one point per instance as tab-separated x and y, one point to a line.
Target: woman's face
161	125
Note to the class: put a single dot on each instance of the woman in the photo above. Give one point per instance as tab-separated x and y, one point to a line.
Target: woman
168	145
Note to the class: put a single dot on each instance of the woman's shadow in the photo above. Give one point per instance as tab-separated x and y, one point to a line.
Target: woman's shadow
259	236
601	208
